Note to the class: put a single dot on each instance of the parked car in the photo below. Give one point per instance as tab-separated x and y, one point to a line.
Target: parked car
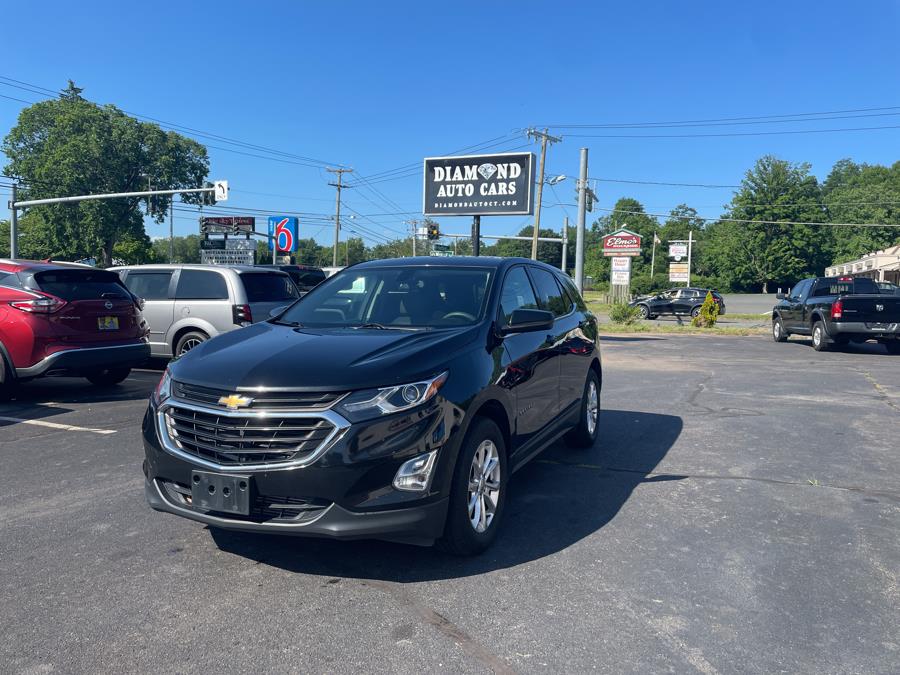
838	310
67	319
185	305
393	401
888	288
306	277
676	302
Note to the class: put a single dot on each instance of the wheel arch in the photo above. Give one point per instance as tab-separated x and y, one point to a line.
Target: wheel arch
8	372
190	328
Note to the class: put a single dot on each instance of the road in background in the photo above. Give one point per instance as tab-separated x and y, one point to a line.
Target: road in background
740	512
749	303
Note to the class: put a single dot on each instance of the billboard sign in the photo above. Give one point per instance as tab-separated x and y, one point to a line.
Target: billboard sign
678	251
479	185
678	272
283	234
622	243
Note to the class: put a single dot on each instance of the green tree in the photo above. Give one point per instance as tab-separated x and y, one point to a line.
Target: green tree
186	249
753	255
862	193
549	252
70	146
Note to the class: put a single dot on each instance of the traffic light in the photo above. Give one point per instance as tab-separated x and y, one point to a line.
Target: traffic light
434	231
208	198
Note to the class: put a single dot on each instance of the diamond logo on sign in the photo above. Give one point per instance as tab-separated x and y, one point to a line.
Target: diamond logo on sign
487	170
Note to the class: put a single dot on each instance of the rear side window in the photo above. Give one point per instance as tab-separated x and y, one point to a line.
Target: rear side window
149	285
201	285
549	292
269	287
517	293
79	284
308	278
859	286
569	287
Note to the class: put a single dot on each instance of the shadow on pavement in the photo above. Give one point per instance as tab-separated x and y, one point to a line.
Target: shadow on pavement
553	503
869	348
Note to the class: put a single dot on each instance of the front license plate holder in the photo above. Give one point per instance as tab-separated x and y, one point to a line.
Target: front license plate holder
228	493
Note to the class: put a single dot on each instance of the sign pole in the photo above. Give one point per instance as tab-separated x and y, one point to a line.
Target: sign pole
13	226
476	236
579	232
690	246
653	259
565	242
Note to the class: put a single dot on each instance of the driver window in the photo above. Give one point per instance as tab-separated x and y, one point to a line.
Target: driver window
517	293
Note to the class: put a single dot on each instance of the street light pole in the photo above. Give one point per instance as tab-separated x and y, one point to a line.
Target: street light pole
582	207
14	226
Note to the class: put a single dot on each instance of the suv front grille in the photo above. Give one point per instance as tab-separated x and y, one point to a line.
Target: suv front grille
269	400
237	439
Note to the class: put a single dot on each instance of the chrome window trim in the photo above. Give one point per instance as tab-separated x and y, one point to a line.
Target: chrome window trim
340	426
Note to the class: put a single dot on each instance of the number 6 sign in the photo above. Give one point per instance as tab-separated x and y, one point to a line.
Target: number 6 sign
283	234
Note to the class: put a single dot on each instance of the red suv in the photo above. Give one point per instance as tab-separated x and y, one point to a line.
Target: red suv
68	319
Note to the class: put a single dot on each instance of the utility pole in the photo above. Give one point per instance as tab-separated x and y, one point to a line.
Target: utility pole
172	230
476	236
653	257
690	246
337	210
13	226
565	242
582	207
545	138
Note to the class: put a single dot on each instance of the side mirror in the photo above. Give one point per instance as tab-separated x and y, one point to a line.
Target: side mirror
528	321
780	296
278	311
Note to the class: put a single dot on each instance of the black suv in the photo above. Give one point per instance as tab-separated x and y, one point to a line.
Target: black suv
676	302
393	401
305	277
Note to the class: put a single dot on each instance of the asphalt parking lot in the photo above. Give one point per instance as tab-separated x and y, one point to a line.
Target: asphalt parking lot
741	513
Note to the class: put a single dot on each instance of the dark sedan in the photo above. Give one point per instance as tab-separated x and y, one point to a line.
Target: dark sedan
676	302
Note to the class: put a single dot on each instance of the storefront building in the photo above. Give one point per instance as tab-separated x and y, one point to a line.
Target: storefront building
880	266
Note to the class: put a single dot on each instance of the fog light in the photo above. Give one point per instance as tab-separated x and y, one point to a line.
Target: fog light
415	474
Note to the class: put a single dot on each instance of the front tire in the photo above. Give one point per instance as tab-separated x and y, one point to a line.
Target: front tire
108	376
695	312
645	311
779	334
819	339
478	491
585	434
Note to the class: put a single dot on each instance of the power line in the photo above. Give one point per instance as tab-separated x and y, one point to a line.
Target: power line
655	182
736	133
747	221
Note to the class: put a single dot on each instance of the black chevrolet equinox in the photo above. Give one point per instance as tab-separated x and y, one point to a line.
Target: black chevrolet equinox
393	401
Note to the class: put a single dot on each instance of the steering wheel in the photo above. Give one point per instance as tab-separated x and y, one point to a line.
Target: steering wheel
458	315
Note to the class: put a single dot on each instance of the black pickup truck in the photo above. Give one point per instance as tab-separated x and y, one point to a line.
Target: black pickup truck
838	310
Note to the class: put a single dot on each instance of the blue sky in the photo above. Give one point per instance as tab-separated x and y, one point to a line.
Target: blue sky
380	85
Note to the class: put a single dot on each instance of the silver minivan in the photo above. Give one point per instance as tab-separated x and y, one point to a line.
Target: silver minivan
187	304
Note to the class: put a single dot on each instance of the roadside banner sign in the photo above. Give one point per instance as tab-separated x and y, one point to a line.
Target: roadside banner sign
283	234
479	185
678	251
678	271
621	264
621	277
622	243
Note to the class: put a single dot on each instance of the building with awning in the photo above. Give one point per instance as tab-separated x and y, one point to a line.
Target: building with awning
880	266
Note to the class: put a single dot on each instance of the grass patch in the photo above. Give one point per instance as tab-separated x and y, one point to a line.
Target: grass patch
753	317
686	329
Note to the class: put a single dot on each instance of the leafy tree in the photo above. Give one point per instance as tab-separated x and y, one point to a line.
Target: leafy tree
549	252
186	249
862	193
751	254
71	146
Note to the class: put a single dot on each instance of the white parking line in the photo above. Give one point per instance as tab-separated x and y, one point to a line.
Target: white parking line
54	425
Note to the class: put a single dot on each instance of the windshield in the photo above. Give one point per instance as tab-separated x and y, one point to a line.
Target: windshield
263	287
79	284
395	297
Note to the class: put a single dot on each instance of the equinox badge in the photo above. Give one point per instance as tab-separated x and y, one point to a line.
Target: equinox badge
235	401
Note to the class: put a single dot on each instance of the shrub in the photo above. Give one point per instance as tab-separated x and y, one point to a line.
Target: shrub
709	312
623	314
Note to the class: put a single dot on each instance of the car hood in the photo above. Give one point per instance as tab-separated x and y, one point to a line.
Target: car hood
269	355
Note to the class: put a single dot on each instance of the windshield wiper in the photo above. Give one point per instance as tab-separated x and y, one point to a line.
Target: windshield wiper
372	324
292	324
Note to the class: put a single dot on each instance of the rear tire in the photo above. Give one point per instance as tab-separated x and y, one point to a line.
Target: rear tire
779	334
188	341
819	339
478	484
7	382
695	312
109	376
585	434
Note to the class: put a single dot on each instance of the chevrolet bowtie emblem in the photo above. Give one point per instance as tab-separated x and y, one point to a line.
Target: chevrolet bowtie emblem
235	401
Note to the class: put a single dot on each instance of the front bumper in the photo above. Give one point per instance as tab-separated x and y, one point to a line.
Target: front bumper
88	359
346	491
413	525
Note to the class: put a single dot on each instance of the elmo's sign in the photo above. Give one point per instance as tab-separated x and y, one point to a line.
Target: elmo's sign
622	243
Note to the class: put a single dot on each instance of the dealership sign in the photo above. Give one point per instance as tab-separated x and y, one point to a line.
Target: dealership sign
622	243
479	185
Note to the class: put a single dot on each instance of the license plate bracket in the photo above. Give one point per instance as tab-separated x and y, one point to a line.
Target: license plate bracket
108	323
228	493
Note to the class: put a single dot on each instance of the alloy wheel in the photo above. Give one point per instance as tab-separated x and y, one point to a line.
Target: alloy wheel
484	486
189	345
592	409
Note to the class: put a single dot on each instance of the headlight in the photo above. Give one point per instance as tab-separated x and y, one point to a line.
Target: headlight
387	400
163	389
